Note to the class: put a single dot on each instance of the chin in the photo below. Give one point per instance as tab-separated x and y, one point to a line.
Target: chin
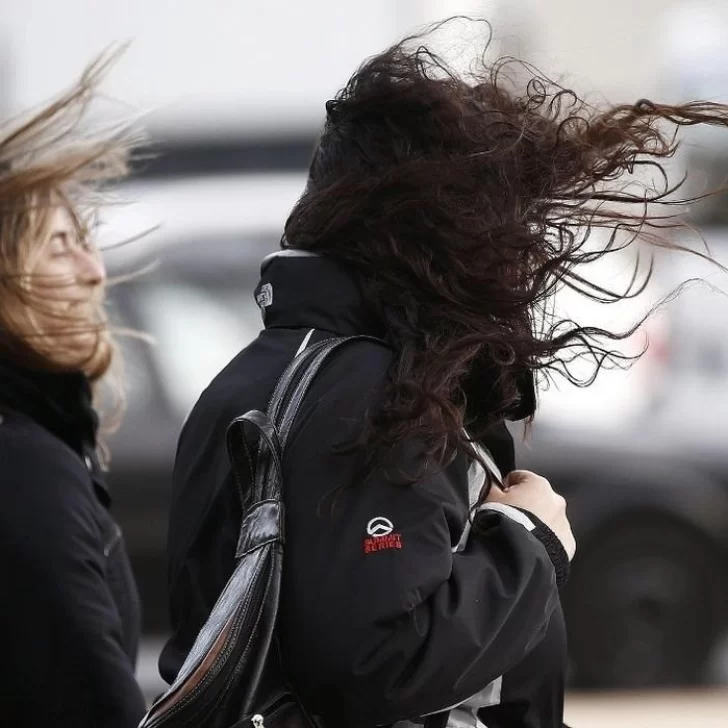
88	352
100	353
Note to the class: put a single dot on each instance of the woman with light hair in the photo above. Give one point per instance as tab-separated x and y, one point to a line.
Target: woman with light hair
70	613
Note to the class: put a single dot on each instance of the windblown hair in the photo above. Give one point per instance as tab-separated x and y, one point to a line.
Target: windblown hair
464	202
46	161
52	159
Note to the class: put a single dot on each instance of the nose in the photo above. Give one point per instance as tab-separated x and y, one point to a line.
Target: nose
91	268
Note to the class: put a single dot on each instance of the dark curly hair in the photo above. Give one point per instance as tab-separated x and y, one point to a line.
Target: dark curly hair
463	202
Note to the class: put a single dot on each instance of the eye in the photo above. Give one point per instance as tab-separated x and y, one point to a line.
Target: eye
60	243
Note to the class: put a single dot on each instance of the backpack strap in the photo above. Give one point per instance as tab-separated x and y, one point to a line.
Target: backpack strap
271	429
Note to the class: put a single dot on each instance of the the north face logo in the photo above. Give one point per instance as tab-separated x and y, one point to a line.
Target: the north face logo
381	536
265	295
380	526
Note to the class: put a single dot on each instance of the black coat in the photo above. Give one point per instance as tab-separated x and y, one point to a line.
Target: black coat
69	612
389	610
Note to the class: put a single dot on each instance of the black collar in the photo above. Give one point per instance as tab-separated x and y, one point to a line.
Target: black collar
59	402
299	290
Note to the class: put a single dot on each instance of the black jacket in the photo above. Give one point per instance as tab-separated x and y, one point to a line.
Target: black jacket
69	612
388	611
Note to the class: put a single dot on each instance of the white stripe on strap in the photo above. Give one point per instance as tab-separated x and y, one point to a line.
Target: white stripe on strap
305	341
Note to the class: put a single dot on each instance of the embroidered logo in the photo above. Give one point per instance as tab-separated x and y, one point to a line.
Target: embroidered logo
264	298
381	536
380	526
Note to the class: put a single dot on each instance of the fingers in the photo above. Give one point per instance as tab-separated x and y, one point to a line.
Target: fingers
496	494
517	476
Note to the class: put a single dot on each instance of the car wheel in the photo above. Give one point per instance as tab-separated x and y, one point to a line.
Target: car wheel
643	605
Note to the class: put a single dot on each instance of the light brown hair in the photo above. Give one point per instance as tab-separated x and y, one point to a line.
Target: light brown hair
49	160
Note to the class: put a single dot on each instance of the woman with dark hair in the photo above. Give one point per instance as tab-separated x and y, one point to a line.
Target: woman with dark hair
69	612
440	216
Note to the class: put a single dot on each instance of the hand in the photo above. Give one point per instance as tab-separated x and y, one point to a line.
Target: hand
533	493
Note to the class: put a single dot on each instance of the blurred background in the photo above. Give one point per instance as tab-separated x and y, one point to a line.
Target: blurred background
233	94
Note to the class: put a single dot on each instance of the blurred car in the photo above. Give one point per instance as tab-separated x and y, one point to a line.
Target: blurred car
648	494
646	601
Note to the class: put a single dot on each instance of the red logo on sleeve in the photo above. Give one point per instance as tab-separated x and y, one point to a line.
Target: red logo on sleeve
381	536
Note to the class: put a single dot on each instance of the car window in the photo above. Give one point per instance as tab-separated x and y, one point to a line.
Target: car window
197	330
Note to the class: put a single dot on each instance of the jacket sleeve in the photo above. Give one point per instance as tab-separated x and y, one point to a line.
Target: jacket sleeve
381	619
63	662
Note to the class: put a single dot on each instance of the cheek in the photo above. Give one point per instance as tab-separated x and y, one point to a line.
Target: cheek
53	279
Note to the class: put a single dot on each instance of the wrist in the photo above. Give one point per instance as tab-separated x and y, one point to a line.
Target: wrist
534	525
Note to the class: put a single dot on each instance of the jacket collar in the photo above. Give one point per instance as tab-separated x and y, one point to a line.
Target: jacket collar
59	402
298	289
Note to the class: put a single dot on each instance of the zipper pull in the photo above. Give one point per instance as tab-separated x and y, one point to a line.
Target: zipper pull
257	721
